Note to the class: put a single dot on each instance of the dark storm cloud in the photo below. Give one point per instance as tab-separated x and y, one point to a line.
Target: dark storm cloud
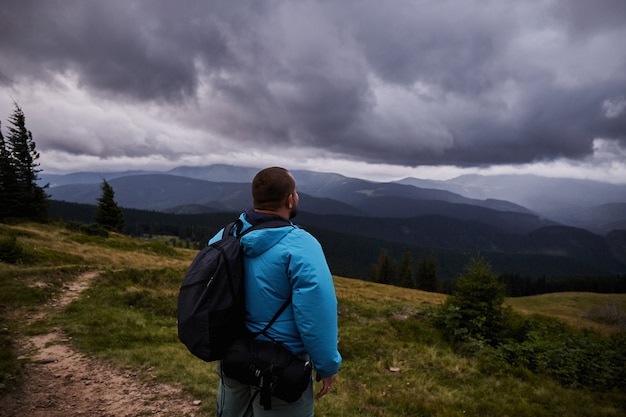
139	50
582	16
420	82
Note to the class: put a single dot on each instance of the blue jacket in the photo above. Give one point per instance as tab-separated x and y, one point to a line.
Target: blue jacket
288	259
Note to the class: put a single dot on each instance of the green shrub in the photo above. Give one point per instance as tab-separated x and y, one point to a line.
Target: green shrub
575	358
159	248
474	319
88	229
474	312
10	250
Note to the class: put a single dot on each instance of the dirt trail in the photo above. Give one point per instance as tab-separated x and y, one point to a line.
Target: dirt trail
59	381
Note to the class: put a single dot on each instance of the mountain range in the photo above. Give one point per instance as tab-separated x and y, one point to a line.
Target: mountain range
573	221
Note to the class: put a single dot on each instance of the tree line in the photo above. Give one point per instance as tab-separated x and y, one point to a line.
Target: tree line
347	255
425	276
421	276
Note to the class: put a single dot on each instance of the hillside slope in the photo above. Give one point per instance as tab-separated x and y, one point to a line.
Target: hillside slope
395	364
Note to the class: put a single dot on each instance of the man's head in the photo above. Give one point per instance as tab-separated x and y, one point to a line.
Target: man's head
274	190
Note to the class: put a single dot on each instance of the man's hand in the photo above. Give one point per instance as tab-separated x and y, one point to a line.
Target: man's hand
327	384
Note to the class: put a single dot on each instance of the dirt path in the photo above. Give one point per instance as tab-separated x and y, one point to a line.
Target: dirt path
59	381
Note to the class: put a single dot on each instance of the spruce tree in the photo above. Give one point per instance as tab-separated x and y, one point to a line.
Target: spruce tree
19	172
108	214
7	179
479	302
426	275
384	270
406	270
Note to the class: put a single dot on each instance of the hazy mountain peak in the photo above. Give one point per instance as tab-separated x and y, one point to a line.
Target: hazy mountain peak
217	173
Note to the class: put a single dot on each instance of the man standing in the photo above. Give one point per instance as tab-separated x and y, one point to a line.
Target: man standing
279	263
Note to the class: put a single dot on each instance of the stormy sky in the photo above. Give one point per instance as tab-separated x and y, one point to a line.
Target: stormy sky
381	89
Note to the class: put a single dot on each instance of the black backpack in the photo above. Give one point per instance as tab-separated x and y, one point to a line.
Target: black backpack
211	301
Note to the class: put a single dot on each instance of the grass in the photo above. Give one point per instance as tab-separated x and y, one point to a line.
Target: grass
605	313
395	363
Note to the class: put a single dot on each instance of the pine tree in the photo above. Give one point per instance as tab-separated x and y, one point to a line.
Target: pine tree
384	270
108	214
426	275
479	299
406	270
19	172
7	180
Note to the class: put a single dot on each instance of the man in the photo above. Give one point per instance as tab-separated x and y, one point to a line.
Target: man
280	262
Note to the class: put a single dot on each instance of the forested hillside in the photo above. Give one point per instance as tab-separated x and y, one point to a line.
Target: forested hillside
353	252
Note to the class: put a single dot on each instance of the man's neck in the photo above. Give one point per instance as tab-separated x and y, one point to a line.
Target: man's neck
282	213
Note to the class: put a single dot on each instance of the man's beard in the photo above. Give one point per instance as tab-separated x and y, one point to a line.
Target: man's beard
293	212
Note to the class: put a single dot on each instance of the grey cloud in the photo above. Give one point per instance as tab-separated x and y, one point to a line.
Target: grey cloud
442	43
582	16
138	50
296	73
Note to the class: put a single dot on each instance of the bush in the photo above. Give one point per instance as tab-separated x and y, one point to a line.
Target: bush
575	358
10	250
475	320
475	311
88	229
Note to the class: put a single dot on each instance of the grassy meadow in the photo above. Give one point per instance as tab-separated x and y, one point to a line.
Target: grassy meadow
395	362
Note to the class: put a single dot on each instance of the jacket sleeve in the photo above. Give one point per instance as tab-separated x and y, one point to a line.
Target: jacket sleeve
314	303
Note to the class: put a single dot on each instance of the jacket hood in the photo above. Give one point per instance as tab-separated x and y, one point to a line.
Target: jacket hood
259	241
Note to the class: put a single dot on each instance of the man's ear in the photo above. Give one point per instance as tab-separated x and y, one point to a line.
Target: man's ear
290	201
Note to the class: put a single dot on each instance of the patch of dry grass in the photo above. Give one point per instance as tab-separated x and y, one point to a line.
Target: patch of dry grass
364	291
578	309
115	252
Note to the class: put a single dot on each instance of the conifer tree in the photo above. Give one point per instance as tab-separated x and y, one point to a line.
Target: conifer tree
406	270
426	275
108	214
6	179
19	172
384	270
479	300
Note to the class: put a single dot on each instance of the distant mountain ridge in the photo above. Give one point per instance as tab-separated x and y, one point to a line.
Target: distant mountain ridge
595	206
322	194
592	205
398	212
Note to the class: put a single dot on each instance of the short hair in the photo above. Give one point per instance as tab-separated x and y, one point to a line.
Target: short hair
271	187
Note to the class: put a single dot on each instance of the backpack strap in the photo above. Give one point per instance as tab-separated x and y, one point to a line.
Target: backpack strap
234	229
269	323
266	388
268	224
